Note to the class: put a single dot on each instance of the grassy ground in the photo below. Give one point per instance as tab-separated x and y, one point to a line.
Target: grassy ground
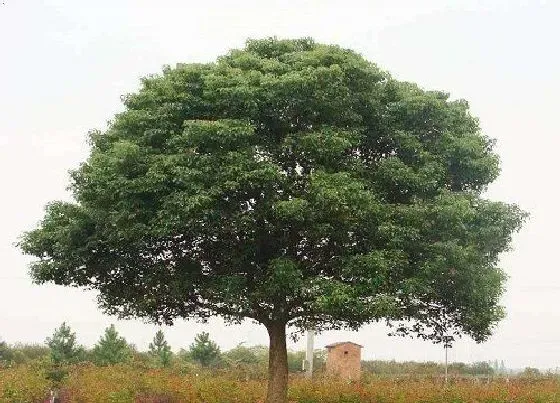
129	384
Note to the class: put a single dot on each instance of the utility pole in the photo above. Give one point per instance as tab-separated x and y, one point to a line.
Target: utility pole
309	354
447	345
445	364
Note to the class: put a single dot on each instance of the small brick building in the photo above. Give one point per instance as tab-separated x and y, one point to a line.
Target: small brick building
344	360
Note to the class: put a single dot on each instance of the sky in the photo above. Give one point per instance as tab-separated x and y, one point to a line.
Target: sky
64	65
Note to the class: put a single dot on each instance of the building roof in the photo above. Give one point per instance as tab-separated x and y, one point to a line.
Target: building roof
343	342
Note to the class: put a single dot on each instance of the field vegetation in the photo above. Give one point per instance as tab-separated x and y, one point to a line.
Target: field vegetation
204	373
134	382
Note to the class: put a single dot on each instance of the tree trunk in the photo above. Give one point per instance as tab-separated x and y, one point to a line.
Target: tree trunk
277	364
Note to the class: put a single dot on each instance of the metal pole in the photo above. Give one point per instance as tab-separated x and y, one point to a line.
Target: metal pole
447	344
445	347
309	354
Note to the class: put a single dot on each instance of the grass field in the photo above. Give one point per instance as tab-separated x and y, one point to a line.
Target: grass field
125	384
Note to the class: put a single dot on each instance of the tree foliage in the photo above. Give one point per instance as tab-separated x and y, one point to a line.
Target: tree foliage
111	348
6	354
160	350
430	368
204	351
242	355
24	353
63	346
292	183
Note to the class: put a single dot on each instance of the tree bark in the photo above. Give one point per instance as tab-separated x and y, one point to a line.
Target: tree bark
277	364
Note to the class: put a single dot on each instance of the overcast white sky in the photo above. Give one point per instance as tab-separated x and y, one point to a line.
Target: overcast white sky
64	64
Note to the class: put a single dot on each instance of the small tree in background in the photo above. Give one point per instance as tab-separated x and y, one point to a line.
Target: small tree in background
63	347
63	351
160	349
111	348
6	354
530	372
250	361
247	355
204	351
25	353
295	361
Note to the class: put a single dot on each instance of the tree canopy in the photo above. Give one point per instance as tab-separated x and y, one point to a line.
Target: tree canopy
292	183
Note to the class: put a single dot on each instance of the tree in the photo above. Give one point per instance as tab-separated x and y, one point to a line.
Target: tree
63	347
295	361
482	368
111	348
204	351
6	354
243	355
530	372
25	353
291	183
160	349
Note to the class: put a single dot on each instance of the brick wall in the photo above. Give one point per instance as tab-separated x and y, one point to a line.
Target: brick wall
344	360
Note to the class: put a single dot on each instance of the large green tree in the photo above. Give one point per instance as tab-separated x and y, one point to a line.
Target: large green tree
292	183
